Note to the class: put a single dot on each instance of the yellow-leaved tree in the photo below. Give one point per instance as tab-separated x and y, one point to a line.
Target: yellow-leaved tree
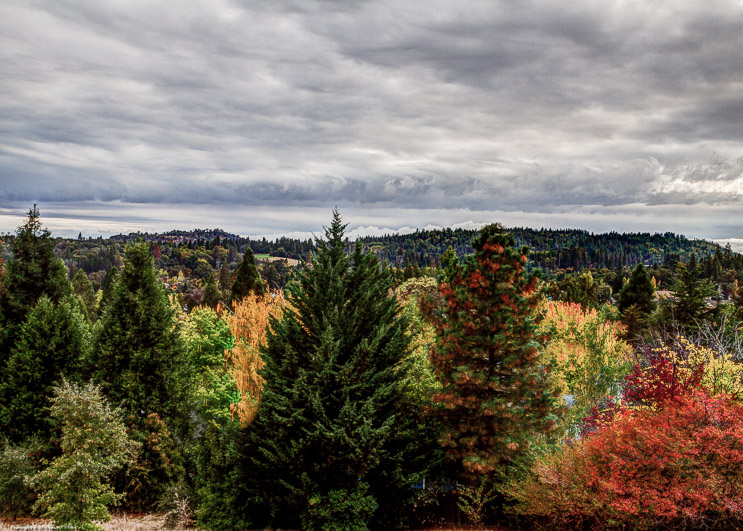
248	321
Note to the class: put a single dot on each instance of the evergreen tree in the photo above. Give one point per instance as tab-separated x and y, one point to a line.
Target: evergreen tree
247	279
107	289
637	292
690	305
2	273
224	279
335	416
495	395
33	271
53	341
211	296
138	352
83	288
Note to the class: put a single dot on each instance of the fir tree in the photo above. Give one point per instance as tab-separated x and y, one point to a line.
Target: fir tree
33	271
335	415
138	352
53	341
637	292
247	279
224	279
495	394
690	305
83	288
211	296
107	289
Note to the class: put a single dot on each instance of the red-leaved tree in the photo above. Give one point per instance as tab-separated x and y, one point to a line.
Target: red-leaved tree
495	393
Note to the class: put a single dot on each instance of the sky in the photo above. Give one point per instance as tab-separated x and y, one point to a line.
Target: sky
261	117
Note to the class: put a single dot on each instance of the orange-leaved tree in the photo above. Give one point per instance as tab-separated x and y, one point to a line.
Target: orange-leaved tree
248	322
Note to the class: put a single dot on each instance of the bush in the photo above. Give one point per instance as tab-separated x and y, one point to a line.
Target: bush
16	497
342	509
74	488
677	467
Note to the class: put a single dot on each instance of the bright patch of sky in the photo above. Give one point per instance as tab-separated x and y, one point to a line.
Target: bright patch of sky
260	117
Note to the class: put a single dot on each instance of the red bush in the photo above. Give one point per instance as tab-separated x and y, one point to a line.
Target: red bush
678	466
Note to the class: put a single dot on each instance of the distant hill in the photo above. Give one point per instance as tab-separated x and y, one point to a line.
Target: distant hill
551	250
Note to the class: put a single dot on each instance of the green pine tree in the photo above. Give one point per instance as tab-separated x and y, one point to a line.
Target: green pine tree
140	363
83	288
690	293
138	352
637	292
212	295
335	414
496	396
107	290
53	341
247	279
224	279
33	271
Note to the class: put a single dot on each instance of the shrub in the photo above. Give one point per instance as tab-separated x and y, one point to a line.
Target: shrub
679	466
16	497
342	509
74	488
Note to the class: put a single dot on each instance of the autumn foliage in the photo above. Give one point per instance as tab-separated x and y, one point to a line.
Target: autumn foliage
495	393
586	356
677	467
248	323
667	453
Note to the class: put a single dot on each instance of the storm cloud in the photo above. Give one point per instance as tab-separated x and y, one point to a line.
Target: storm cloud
259	117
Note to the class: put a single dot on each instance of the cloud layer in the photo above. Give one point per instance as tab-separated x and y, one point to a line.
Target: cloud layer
416	111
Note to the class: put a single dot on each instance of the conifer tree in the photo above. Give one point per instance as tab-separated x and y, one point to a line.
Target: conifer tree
690	305
224	279
211	296
335	415
495	393
83	288
33	271
107	289
637	292
247	279
52	342
138	352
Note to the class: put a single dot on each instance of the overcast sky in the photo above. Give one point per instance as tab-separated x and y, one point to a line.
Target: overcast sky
259	117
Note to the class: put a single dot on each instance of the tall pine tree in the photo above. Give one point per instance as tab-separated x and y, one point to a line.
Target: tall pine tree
33	271
637	292
495	394
53	341
247	279
83	288
138	352
335	421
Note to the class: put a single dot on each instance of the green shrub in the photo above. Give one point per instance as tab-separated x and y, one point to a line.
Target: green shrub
341	510
74	488
16	497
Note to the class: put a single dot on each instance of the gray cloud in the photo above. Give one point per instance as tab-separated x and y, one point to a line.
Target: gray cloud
478	106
